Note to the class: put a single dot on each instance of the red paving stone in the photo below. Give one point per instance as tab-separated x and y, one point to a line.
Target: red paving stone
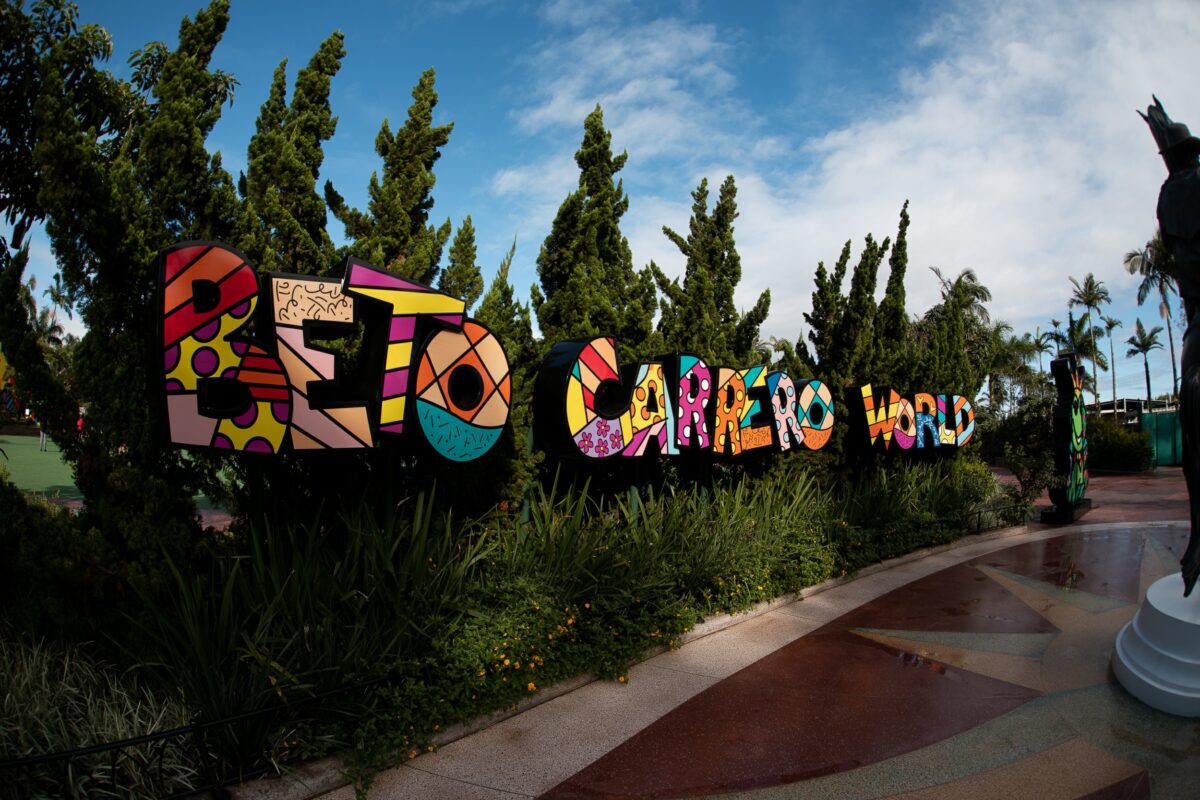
1135	787
828	702
959	598
1157	495
1097	562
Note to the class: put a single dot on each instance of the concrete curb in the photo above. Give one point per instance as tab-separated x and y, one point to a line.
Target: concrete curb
316	778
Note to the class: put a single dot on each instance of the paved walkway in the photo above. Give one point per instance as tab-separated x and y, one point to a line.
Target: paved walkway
981	671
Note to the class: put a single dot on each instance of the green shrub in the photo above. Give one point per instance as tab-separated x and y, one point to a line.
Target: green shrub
58	698
1113	446
1033	469
893	509
305	609
722	547
1029	427
52	582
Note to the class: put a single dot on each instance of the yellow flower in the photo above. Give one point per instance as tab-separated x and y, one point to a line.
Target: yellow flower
587	605
517	665
506	662
620	679
570	620
531	686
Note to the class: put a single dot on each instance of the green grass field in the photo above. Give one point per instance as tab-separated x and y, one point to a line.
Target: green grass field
34	471
46	473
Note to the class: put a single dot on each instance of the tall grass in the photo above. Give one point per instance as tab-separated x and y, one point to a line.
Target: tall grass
888	511
306	609
644	546
57	698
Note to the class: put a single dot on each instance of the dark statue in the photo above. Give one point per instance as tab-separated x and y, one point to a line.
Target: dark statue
1179	224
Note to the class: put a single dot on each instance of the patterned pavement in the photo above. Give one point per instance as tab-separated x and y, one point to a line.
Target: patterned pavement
979	672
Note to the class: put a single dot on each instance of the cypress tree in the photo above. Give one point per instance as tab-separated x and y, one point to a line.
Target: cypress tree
688	318
585	266
461	277
828	305
856	334
699	316
510	321
891	321
288	228
121	171
395	232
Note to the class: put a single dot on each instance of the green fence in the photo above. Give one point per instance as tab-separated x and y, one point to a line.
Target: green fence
1166	437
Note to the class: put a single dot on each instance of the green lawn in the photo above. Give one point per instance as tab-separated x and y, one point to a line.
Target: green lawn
46	473
34	471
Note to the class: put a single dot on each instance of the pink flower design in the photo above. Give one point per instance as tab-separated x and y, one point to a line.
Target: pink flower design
614	441
602	427
601	448
585	442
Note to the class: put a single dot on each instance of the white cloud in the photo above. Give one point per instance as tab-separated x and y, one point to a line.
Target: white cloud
1018	147
1020	151
663	84
580	13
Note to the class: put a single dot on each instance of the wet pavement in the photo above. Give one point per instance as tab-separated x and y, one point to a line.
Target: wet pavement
977	671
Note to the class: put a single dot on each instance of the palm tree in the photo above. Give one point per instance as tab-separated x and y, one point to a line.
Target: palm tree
1042	344
44	322
1056	335
1010	366
1090	294
59	296
1109	324
1075	337
1156	266
1141	343
967	288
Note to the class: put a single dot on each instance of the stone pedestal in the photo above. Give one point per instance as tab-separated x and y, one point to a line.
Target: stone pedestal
1157	654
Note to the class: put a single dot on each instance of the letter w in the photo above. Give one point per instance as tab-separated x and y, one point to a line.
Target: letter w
881	415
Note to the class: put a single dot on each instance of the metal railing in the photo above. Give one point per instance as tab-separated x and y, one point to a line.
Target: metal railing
995	517
214	769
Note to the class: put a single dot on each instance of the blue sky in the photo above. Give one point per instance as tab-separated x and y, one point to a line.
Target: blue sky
1009	126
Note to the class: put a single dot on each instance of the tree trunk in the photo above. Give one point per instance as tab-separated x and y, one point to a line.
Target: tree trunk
1146	362
1112	365
1095	366
1174	363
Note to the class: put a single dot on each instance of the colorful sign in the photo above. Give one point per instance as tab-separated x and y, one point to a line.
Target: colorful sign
1070	440
586	405
230	391
447	377
920	423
